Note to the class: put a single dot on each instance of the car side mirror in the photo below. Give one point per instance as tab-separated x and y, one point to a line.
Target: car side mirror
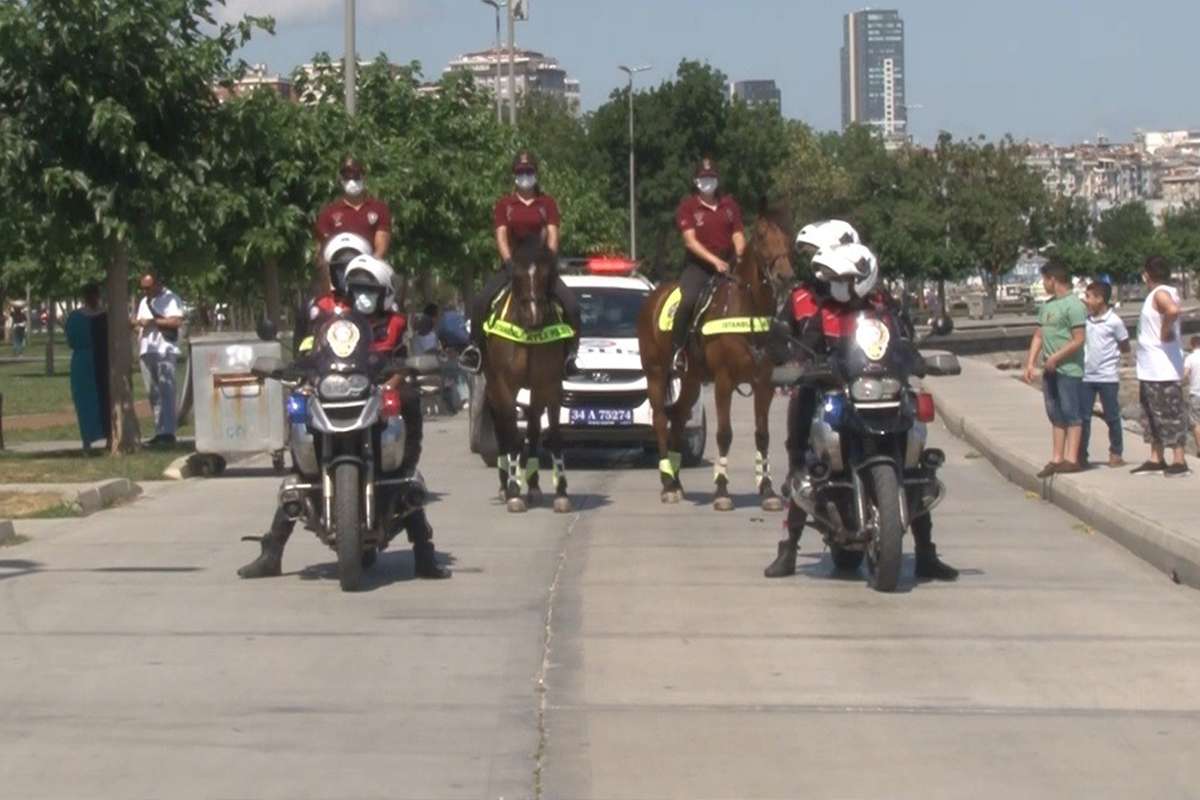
940	364
266	329
942	326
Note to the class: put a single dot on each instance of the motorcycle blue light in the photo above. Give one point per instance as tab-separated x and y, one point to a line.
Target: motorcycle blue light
833	409
297	408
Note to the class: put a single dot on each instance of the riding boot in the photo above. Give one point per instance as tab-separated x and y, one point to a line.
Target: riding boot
929	566
785	562
269	563
420	533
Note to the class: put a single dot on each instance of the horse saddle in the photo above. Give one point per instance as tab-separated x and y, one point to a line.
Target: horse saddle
496	324
670	307
716	326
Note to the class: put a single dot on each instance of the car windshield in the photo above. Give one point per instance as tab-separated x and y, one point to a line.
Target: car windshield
610	313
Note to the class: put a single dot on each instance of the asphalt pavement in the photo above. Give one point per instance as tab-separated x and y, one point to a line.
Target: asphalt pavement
629	650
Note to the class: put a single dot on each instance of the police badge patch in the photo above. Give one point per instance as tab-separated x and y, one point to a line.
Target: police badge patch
372	217
699	216
337	219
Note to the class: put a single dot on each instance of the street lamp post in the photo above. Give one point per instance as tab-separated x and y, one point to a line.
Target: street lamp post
351	64
498	4
631	71
512	65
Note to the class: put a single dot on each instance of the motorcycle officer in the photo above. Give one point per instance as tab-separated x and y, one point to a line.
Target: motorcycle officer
366	285
525	213
846	275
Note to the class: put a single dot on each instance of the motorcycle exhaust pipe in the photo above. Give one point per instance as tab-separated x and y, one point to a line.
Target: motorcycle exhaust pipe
803	492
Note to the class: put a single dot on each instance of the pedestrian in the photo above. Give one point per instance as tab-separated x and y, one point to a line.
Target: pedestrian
1106	340
424	333
1059	339
1160	372
1191	379
87	336
20	321
159	318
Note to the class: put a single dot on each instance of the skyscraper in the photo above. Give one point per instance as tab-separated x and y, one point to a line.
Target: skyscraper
757	93
873	71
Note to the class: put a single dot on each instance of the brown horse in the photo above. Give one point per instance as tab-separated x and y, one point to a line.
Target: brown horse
745	300
525	350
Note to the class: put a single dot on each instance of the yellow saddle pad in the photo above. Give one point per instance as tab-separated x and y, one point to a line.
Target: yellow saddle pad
713	327
497	326
666	315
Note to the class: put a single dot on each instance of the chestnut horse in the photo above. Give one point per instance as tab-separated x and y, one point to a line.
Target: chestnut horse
527	349
730	354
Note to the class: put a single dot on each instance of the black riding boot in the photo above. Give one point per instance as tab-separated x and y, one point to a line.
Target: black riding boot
420	533
929	566
269	563
785	562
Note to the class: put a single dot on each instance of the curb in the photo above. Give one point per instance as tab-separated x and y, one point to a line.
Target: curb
1177	557
102	495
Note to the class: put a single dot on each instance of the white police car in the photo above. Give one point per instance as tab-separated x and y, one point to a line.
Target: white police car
605	403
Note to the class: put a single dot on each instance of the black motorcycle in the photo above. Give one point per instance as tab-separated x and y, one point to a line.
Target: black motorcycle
347	444
869	473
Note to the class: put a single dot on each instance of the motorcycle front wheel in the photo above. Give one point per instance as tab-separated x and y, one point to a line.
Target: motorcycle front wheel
886	550
346	526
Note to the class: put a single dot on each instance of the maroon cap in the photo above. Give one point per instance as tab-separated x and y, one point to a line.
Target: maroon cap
524	162
350	168
707	169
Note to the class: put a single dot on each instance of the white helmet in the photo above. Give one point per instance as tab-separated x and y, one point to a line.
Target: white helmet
849	269
827	233
368	272
339	251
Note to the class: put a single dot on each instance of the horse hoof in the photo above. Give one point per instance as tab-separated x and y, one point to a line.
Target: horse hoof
535	497
517	506
562	505
503	495
671	497
723	504
772	503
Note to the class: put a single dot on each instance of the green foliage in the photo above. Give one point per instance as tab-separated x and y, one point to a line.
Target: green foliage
1127	237
1181	234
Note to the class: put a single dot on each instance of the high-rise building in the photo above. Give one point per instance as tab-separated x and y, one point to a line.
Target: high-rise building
873	71
756	93
534	72
257	77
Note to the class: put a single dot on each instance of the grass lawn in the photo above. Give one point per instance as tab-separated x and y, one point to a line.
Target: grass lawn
74	467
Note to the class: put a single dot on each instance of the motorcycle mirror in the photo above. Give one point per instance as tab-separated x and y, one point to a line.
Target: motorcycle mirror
942	326
266	367
787	375
266	329
942	364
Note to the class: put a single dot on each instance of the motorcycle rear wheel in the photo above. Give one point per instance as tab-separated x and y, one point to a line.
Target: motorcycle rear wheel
887	549
347	526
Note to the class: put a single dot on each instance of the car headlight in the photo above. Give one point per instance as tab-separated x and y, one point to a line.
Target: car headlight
340	387
868	390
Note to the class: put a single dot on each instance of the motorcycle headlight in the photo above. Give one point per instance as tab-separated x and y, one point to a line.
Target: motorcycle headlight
869	390
340	387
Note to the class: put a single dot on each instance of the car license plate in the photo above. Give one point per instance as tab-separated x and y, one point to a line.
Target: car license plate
601	417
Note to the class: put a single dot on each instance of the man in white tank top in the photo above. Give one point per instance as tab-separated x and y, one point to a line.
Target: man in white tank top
1159	371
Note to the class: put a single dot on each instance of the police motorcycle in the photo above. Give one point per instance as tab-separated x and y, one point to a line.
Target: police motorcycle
347	443
869	473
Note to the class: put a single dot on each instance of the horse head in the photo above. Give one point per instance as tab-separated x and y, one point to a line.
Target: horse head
767	265
533	264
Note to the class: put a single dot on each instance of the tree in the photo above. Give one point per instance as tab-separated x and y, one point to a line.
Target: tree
1181	231
106	108
1127	236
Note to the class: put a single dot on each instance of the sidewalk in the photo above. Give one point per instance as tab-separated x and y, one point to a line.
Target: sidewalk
1004	419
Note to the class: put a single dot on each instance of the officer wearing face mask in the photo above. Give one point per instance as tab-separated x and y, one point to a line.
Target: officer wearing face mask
711	225
526	213
354	212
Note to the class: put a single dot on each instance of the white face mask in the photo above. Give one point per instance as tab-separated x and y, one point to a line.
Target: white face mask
840	291
353	188
707	185
526	181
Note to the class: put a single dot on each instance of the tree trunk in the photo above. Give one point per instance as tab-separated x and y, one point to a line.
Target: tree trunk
941	293
271	289
125	432
467	286
51	318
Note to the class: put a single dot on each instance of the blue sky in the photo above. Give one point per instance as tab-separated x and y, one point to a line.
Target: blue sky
1055	70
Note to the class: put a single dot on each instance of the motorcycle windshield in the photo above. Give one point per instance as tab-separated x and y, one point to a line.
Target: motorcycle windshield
873	348
343	344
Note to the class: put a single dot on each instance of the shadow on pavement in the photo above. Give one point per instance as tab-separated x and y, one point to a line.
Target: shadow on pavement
393	566
19	567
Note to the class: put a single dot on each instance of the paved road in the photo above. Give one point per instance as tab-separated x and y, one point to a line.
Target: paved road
134	664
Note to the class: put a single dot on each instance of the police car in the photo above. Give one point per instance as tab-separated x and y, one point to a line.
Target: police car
605	402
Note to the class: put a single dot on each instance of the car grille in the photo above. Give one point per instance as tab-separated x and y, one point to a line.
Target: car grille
606	376
604	399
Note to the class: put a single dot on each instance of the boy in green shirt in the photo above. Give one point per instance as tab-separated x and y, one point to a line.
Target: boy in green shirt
1062	323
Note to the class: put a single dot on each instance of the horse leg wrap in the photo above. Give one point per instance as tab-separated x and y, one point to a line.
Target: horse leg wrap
531	469
514	473
762	469
667	468
560	475
721	470
676	462
502	468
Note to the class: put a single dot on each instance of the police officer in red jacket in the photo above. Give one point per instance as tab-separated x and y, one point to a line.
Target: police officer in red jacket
713	236
525	214
823	311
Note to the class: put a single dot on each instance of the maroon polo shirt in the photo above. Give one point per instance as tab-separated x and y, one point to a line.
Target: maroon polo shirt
714	227
525	220
341	217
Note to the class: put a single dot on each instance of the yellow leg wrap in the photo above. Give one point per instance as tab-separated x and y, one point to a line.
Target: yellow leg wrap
676	461
531	468
667	468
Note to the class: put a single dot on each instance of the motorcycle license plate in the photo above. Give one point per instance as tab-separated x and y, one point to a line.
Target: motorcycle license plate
601	417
